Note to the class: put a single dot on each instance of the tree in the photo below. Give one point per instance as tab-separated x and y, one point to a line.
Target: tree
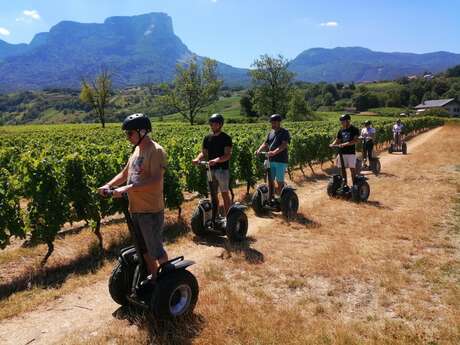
454	71
97	93
298	107
194	88
272	83
247	107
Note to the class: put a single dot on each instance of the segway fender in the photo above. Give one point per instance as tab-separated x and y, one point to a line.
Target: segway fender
128	255
206	207
287	189
236	207
360	178
263	191
174	265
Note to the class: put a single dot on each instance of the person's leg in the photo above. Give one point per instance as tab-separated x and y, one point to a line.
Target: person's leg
223	180
280	170
214	194
370	148
271	180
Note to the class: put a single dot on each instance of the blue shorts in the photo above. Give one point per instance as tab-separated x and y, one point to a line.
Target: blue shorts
277	170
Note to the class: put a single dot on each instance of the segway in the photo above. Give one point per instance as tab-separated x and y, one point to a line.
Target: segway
205	218
369	164
264	198
398	144
172	296
338	187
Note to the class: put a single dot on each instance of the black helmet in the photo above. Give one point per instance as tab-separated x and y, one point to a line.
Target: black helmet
276	117
216	118
137	122
367	122
398	120
345	117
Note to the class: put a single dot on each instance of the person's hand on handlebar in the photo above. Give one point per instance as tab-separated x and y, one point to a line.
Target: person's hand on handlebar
119	192
196	161
271	154
213	162
103	190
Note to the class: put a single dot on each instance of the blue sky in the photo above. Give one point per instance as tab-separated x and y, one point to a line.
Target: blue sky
238	31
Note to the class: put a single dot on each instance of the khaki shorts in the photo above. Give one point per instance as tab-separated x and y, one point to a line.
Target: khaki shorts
221	177
349	160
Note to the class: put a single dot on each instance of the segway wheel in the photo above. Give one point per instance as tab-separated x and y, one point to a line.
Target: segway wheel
390	149
256	203
120	282
289	204
360	192
197	222
404	149
237	225
332	188
175	295
376	166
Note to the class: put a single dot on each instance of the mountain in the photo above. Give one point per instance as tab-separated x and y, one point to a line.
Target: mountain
136	49
361	64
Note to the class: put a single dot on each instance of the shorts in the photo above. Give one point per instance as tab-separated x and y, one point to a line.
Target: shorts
221	177
277	170
349	160
148	228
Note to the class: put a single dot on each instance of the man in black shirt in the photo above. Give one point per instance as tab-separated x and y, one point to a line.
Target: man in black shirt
347	138
217	148
277	145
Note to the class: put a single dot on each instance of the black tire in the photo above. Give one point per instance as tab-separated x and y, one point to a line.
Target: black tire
376	166
120	282
404	149
237	225
332	188
390	149
175	295
360	192
197	222
256	203
289	204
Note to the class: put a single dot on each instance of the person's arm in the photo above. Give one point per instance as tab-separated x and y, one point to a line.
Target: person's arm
337	140
118	180
263	147
227	155
279	149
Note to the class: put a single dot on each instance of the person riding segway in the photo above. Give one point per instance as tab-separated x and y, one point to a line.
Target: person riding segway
345	143
398	144
143	275
217	148
369	161
275	149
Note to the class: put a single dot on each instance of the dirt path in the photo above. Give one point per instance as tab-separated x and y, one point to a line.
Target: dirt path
88	309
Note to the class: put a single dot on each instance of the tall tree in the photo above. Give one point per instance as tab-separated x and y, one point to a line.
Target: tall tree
272	84
97	93
298	107
195	87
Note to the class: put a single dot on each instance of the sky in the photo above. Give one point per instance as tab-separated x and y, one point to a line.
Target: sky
238	31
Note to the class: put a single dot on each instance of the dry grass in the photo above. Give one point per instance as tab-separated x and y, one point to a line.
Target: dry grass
386	272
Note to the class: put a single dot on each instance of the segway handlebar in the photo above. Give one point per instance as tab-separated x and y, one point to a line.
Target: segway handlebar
204	164
263	153
108	193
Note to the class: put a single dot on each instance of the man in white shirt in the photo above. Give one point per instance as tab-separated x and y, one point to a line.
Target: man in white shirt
398	129
368	136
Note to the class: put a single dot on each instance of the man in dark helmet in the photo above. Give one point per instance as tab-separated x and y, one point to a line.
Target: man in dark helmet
217	149
143	175
368	136
347	138
277	146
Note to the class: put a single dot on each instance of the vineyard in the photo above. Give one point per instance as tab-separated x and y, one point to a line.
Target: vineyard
48	175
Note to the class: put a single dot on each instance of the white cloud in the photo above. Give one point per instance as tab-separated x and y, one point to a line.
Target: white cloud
4	32
32	14
330	24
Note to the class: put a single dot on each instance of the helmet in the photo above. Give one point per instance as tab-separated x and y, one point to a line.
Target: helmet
216	118
276	117
345	117
367	122
137	122
398	120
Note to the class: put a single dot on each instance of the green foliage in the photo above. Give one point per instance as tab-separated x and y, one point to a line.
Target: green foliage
194	88
11	223
97	94
298	107
453	72
272	83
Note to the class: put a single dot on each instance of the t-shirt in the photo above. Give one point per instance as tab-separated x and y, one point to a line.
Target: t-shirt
345	135
274	140
368	133
215	145
142	166
398	128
